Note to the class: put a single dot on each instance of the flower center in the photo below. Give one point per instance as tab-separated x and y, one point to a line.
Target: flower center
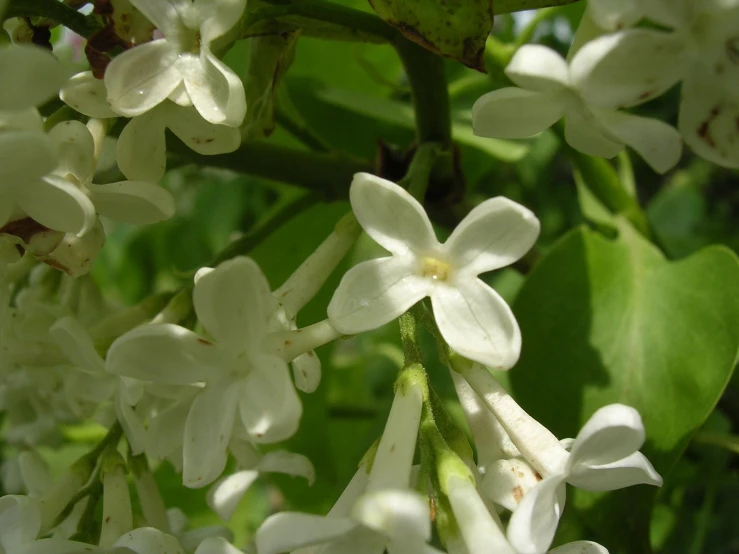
436	270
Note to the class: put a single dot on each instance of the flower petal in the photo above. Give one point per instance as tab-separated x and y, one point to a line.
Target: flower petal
216	91
375	292
391	216
537	67
142	77
516	113
356	487
707	121
657	142
76	149
167	430
77	345
34	73
615	14
611	434
233	302
307	371
131	423
207	434
507	482
480	532
396	513
20	521
494	234
216	545
218	17
269	406
532	526
165	14
579	547
136	202
25	155
200	135
584	134
289	463
141	151
628	68
626	472
163	353
477	323
287	531
87	95
147	540
58	204
224	497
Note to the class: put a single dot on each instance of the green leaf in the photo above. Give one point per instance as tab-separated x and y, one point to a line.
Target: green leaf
456	29
606	321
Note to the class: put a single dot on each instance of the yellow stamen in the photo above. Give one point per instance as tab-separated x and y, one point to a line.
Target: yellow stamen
436	269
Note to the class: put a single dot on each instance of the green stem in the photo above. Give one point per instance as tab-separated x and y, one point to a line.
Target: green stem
602	180
300	131
410	339
427	79
328	174
364	24
88	525
56	11
110	439
419	171
253	238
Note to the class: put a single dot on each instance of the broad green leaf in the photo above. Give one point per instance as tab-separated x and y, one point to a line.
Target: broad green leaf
607	321
456	29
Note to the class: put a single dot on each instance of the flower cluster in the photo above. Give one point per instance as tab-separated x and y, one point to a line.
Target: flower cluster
691	42
215	370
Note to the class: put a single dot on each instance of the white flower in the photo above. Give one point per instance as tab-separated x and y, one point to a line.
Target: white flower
224	496
376	511
180	66
20	522
141	149
93	383
605	456
303	285
471	316
136	202
234	304
503	475
701	51
26	155
550	90
31	76
144	540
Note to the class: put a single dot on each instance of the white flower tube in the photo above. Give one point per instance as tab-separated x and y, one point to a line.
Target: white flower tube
117	514
305	281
